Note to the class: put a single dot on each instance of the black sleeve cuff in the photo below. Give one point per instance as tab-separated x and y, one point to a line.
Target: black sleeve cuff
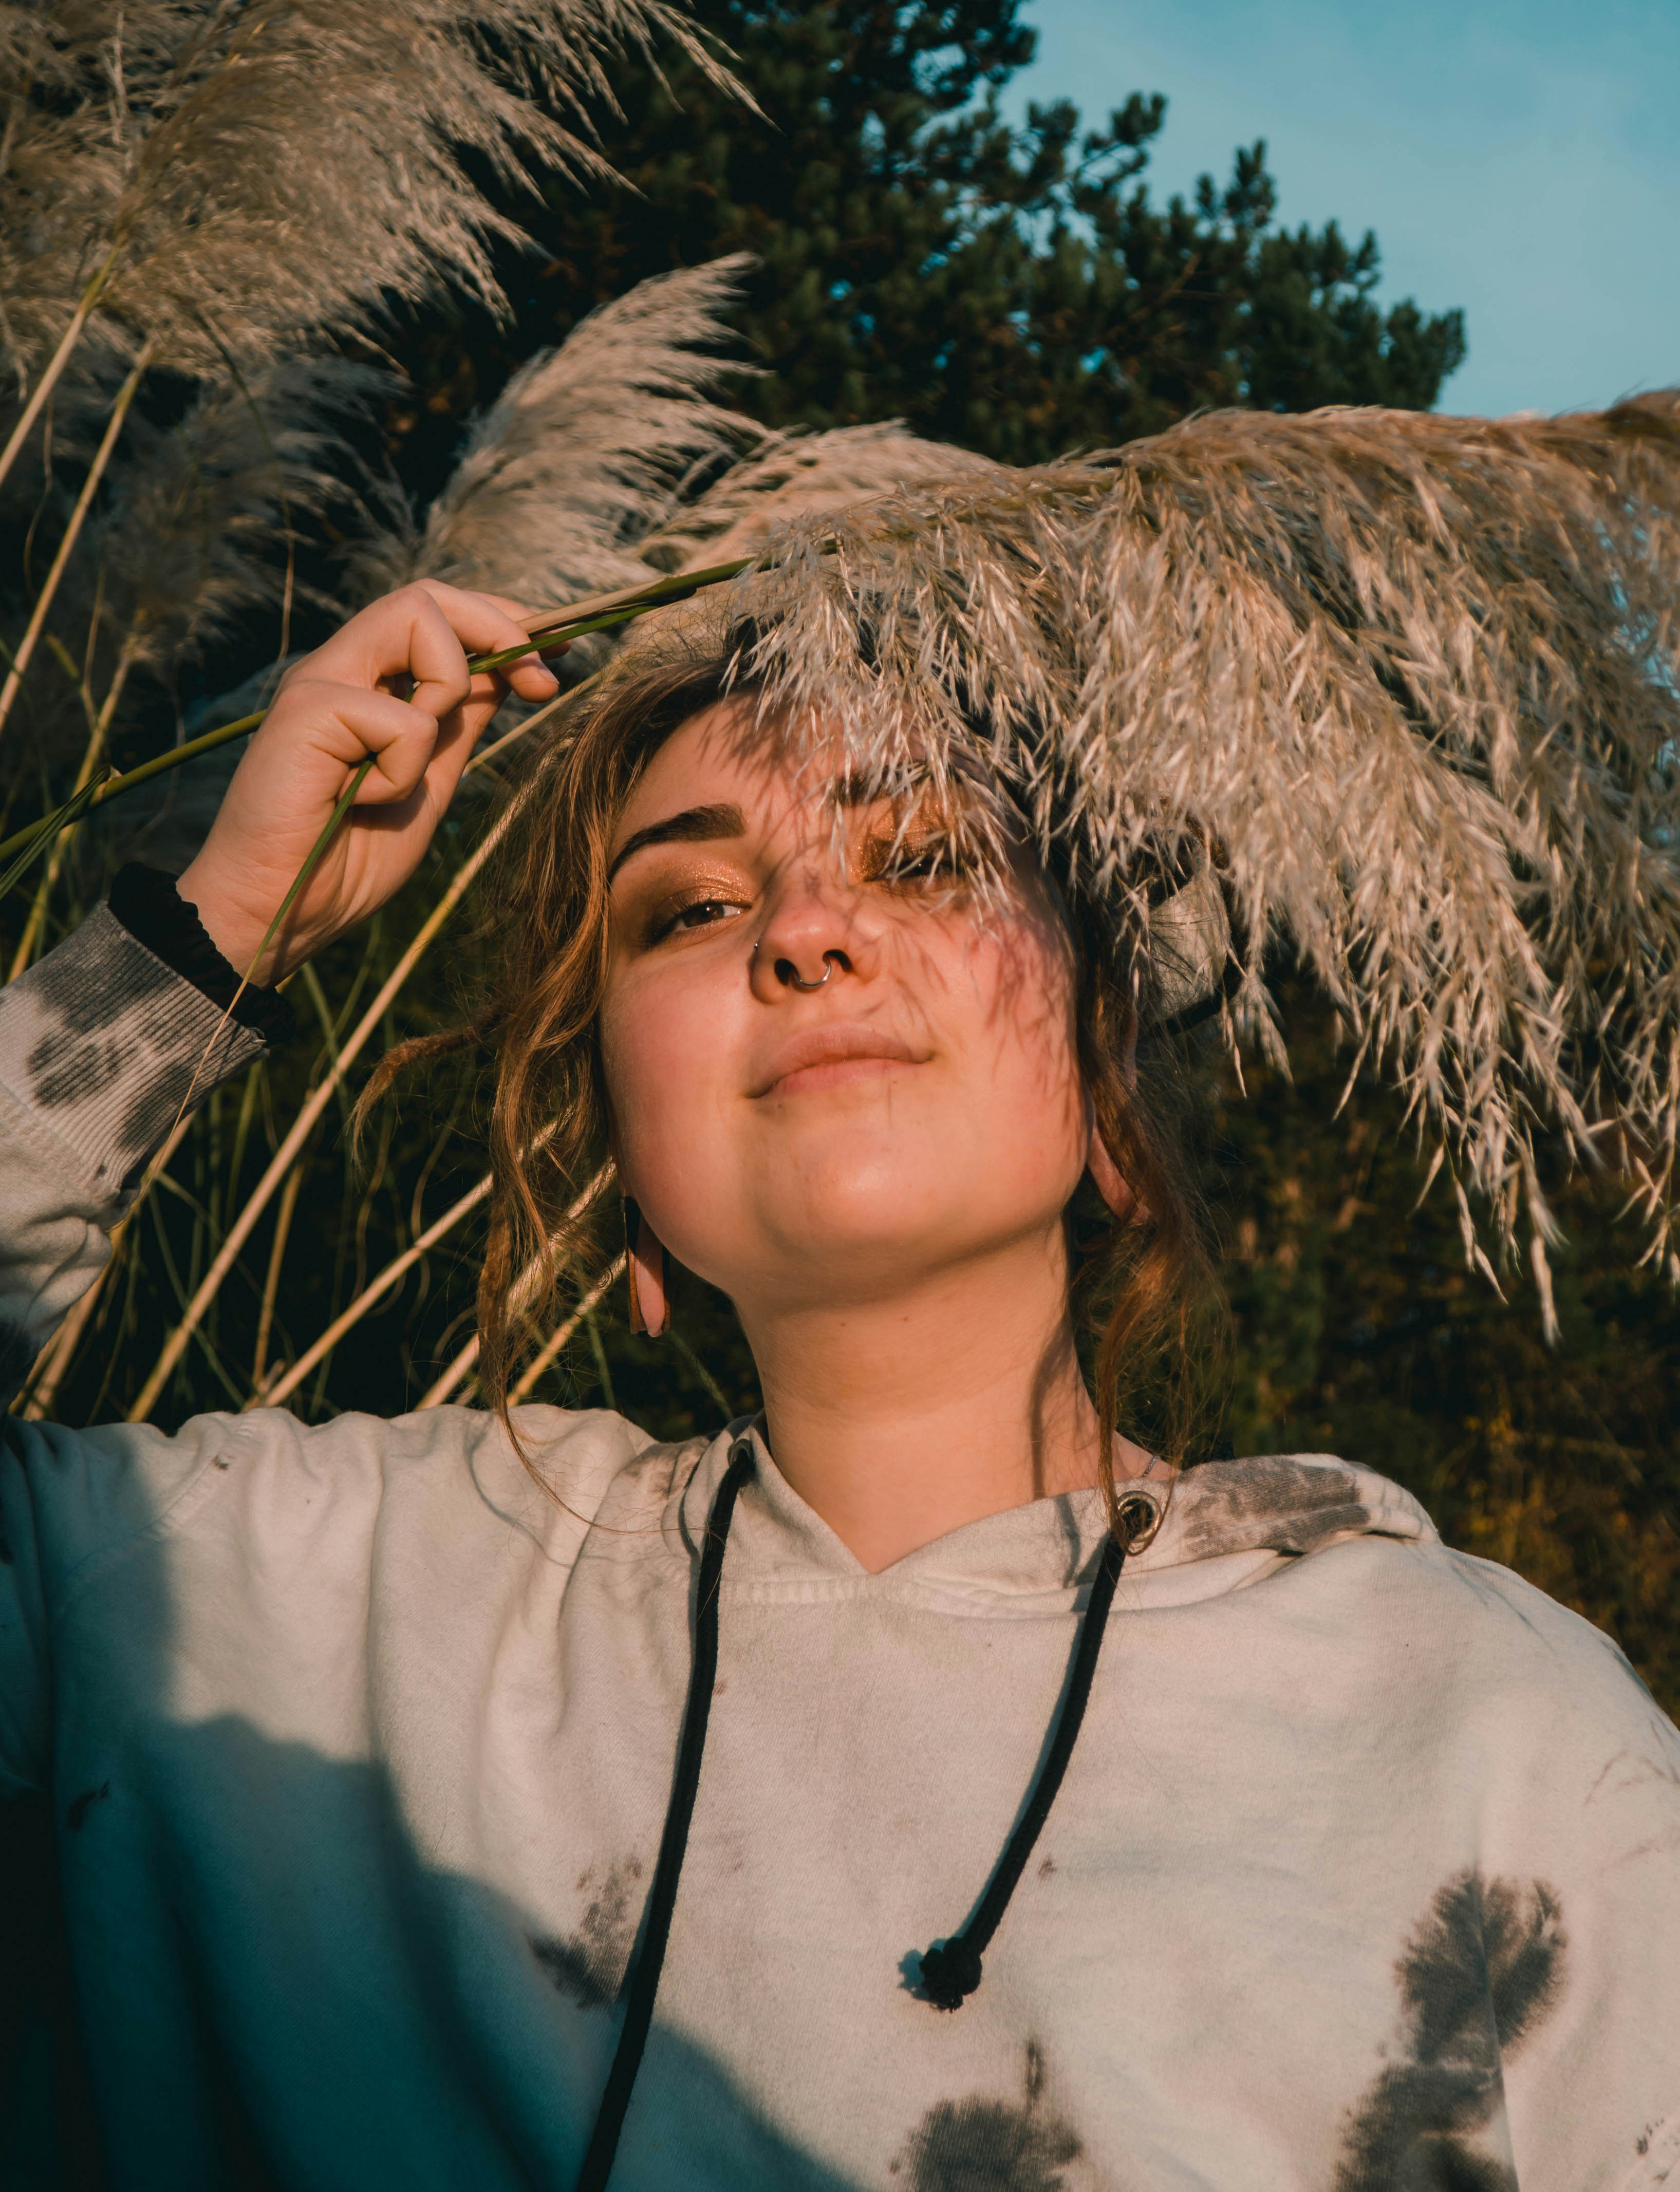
151	909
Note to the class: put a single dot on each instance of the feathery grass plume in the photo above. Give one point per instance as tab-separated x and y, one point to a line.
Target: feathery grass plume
1415	680
201	513
586	450
194	184
59	166
803	473
242	177
1399	692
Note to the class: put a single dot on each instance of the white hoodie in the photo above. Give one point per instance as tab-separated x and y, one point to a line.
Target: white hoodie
1364	1875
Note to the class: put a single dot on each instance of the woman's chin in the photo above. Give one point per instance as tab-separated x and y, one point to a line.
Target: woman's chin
857	1249
853	1213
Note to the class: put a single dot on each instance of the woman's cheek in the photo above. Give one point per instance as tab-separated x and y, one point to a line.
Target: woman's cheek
665	1054
1023	988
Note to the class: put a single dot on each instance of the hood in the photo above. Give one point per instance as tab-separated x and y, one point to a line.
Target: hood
1219	1526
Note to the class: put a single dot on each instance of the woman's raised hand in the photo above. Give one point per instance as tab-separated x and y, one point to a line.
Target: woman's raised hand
334	709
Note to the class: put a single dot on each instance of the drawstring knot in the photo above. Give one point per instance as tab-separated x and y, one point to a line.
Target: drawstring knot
950	1973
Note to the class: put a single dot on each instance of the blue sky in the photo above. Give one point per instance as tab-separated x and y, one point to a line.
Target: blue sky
1520	160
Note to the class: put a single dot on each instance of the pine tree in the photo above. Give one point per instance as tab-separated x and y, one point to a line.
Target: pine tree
1017	290
1020	292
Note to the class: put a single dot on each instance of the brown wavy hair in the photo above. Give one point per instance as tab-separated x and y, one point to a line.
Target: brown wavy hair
1145	1302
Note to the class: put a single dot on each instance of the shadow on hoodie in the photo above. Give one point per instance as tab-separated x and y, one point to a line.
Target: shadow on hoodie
353	2053
389	2023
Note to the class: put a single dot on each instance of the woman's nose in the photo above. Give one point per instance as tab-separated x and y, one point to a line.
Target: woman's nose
811	938
786	971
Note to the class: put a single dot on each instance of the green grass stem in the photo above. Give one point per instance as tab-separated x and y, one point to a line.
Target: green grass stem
598	613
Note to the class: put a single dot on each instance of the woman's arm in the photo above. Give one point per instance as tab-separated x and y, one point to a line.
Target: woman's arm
105	1044
101	1045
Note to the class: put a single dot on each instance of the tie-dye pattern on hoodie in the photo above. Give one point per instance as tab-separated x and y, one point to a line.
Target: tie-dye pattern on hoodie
1364	1877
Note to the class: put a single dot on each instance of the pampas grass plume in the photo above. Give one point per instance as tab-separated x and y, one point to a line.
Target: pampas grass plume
259	176
1402	692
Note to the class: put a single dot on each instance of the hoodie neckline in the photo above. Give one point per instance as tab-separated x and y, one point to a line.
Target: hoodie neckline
1228	1521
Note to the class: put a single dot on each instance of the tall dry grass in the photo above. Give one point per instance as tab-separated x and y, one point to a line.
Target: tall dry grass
1399	692
598	469
231	202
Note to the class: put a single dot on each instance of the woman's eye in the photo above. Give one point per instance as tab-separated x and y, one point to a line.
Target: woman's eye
708	910
699	913
929	863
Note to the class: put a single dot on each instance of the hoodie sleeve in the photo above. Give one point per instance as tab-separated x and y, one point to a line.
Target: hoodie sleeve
102	1046
1577	1905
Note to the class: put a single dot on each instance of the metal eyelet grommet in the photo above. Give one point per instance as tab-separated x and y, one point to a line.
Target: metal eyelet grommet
1138	1516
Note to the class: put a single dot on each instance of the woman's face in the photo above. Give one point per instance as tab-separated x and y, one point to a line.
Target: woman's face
804	1148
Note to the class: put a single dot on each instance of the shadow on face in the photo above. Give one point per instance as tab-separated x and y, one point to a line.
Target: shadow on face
836	1064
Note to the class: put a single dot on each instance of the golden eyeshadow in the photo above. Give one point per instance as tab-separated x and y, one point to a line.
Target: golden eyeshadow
651	913
889	857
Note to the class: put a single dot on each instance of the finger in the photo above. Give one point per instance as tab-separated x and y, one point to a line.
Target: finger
437	659
527	676
532	679
460	735
450	755
427	630
350	722
490	624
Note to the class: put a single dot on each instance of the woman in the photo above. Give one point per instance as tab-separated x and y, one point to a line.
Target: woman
470	1802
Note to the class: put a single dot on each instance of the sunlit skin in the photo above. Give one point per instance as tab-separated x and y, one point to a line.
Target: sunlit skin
333	708
875	1171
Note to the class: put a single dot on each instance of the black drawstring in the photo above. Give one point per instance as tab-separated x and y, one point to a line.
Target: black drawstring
597	2162
952	1971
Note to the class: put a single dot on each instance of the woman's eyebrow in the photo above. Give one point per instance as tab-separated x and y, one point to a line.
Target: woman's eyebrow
695	826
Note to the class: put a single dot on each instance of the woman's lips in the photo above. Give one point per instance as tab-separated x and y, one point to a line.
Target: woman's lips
833	1058
841	1073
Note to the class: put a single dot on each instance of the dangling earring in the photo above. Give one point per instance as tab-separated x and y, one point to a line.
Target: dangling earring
645	1267
1111	1183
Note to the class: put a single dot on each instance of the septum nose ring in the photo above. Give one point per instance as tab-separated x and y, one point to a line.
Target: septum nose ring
793	978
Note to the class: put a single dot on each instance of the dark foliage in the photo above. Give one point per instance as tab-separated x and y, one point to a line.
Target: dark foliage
1360	1332
1016	290
1019	292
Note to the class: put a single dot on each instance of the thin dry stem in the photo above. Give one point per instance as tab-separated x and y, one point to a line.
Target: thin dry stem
524	1287
25	646
49	378
292	1147
442	1386
563	1331
270	1288
35	927
374	1292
